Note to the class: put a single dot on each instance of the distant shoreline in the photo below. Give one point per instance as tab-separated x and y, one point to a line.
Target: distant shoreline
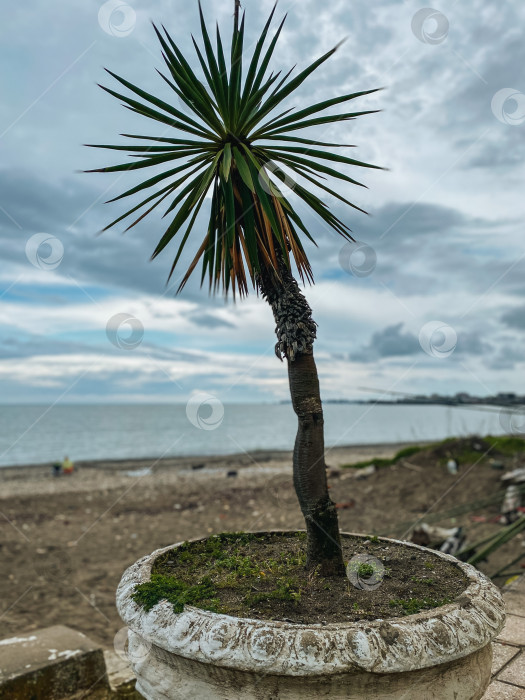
209	461
465	400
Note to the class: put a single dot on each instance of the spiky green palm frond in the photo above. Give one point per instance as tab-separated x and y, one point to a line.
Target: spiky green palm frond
232	146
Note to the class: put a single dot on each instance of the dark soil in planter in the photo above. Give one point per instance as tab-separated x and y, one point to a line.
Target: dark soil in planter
263	576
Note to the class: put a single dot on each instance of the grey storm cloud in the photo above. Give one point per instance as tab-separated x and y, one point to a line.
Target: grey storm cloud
502	146
208	320
390	342
11	347
398	230
31	205
473	343
394	342
35	204
421	248
508	356
515	318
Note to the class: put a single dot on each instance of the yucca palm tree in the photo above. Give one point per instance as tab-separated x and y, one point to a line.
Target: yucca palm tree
232	143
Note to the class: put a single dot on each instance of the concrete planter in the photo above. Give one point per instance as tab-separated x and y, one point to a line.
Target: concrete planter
443	653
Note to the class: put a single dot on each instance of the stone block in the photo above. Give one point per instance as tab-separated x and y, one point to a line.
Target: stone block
121	677
514	631
504	691
501	655
515	672
56	662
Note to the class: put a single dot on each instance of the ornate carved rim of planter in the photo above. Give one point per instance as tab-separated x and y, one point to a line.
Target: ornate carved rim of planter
273	647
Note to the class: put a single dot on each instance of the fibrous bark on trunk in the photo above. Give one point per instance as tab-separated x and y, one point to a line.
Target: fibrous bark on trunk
296	332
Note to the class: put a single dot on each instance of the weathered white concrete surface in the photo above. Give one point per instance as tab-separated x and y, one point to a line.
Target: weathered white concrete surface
56	662
207	655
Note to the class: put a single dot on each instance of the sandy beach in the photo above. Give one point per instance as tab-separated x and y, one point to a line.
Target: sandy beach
64	542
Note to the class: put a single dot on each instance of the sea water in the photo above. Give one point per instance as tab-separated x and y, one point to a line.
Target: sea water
42	434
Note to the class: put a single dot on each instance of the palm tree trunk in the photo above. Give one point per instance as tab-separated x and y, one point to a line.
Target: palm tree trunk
296	332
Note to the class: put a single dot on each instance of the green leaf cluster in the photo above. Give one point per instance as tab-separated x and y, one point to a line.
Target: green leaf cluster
226	136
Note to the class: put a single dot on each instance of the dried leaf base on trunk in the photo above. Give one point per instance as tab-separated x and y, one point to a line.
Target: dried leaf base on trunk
439	654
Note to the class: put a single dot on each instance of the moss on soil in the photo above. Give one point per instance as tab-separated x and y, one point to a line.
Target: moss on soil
263	576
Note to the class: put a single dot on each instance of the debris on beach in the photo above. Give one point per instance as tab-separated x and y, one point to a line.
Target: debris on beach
452	466
139	472
432	535
517	476
511	504
365	472
345	505
408	465
454	542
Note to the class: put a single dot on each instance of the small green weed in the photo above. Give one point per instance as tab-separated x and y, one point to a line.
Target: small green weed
284	590
415	605
365	570
425	581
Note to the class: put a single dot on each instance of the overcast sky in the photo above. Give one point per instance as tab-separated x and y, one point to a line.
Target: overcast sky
431	302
